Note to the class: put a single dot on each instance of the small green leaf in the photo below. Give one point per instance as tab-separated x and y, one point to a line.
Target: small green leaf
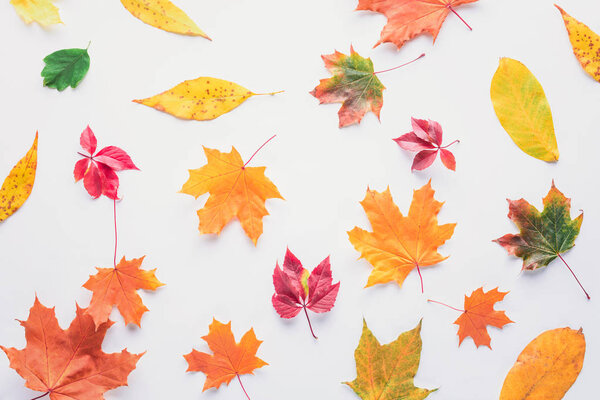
65	68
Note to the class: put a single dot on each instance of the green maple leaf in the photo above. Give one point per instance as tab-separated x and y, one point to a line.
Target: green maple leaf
543	235
66	68
387	372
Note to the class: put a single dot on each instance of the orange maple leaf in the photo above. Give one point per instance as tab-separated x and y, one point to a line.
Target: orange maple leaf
117	287
236	190
478	314
410	18
229	359
398	244
68	364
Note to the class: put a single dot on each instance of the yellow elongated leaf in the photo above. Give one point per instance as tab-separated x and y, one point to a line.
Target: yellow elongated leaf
18	184
547	367
164	15
586	44
523	110
200	99
41	11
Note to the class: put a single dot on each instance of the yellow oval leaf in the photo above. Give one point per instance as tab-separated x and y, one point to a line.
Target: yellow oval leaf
523	110
41	11
200	99
547	367
586	44
164	15
18	184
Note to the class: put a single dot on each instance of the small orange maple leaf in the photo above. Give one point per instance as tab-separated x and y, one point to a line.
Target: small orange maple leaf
398	244
68	364
236	190
478	314
117	287
229	359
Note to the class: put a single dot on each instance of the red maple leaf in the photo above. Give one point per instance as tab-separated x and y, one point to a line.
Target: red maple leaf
426	140
297	289
99	170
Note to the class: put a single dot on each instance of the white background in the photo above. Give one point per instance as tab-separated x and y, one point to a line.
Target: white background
55	240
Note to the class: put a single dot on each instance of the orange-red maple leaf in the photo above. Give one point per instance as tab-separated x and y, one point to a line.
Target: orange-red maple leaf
229	359
68	364
409	18
117	287
236	190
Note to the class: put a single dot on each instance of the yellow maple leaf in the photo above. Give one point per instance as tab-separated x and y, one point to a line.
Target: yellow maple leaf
398	244
235	191
41	11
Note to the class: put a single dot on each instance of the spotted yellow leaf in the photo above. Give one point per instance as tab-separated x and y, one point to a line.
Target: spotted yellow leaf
523	110
164	15
41	11
586	44
18	184
200	99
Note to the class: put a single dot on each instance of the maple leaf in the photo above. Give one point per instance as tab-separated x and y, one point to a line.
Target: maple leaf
68	364
236	190
98	171
426	140
44	12
387	372
201	99
478	313
118	287
585	43
17	186
164	15
523	110
543	236
398	244
297	289
410	18
547	367
229	359
354	84
65	68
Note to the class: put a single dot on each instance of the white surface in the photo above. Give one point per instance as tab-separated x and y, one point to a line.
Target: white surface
53	243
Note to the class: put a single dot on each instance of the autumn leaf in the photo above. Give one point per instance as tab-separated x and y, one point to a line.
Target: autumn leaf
410	18
297	289
19	183
44	12
118	287
68	364
387	372
523	110
398	244
66	68
478	313
547	367
426	140
354	84
543	236
585	43
229	359
164	15
98	171
236	191
201	99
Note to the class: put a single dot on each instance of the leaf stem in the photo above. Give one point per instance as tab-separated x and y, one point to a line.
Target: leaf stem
309	324
421	278
84	155
39	397
115	219
242	385
461	18
269	94
444	304
574	276
399	66
263	145
88	46
448	145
